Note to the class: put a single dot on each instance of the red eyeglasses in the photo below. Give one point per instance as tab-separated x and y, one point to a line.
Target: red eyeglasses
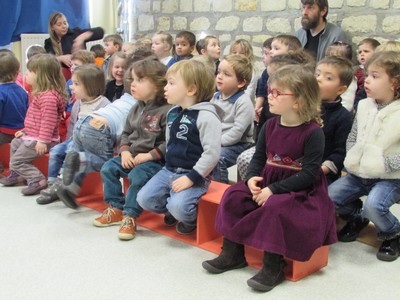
276	93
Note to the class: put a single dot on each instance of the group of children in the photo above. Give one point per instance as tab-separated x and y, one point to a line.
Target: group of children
176	122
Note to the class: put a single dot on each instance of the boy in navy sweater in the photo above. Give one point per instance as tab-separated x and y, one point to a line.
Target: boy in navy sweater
193	146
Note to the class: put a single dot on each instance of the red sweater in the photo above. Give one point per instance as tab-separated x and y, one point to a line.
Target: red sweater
43	117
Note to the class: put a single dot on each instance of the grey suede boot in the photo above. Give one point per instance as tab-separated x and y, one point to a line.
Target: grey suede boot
271	273
231	257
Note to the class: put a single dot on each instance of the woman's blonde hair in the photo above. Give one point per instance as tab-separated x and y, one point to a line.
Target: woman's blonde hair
302	83
198	74
55	41
48	74
390	62
246	47
92	78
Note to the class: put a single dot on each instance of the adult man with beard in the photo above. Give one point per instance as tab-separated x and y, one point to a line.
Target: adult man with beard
317	33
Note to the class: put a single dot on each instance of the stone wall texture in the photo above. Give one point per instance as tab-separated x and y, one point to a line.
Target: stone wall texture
257	20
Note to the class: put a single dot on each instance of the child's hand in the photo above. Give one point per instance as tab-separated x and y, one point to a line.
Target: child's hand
182	183
262	197
65	59
19	133
325	169
41	148
127	161
142	158
252	183
257	114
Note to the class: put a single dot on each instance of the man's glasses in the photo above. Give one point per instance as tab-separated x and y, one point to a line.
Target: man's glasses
276	93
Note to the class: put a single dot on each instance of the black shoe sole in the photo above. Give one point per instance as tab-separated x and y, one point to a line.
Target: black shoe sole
43	200
210	268
186	230
71	167
263	287
67	198
352	238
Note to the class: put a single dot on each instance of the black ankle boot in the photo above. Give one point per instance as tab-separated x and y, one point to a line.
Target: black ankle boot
352	229
389	250
271	273
231	257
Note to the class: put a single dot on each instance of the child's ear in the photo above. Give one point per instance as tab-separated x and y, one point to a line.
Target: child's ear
341	89
118	47
191	49
241	84
203	51
192	90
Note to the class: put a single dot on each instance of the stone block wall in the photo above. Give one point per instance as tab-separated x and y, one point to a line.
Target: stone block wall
257	20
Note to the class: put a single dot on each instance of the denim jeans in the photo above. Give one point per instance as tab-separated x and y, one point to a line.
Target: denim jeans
157	196
382	194
112	171
56	160
227	159
95	145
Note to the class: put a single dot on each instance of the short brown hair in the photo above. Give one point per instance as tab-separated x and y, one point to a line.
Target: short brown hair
343	66
187	35
9	66
198	74
290	41
321	5
116	39
98	50
242	67
92	78
370	41
86	57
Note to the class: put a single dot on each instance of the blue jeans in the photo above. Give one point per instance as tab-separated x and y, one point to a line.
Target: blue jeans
227	159
112	171
382	194
96	145
56	160
157	196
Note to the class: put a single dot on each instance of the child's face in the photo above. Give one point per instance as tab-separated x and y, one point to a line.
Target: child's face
118	70
213	49
227	82
77	89
283	102
75	63
158	47
329	82
364	53
266	56
182	47
378	85
175	91
278	48
110	48
142	89
237	50
30	78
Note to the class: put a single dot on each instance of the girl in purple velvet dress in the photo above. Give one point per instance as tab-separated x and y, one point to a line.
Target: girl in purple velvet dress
283	206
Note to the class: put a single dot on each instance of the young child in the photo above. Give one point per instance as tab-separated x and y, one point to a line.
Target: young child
372	159
94	139
334	74
40	132
112	44
283	206
99	54
185	42
13	99
30	52
142	148
115	86
193	146
341	49
234	74
243	47
365	49
211	47
88	84
161	45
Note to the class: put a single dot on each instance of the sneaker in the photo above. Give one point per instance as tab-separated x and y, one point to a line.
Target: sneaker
71	167
34	187
169	220
352	229
183	228
389	250
127	230
12	179
67	197
111	216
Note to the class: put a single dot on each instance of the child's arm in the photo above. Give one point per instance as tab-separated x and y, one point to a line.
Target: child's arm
243	120
127	160
352	137
258	108
49	116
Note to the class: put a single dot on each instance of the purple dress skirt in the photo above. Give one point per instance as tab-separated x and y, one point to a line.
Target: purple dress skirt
292	224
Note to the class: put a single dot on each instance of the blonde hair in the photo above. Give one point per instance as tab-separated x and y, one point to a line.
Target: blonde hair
242	67
246	47
48	74
198	74
389	46
166	38
86	57
92	79
53	36
303	84
390	62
